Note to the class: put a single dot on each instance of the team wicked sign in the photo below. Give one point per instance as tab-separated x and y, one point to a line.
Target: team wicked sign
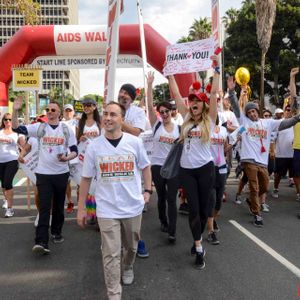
189	57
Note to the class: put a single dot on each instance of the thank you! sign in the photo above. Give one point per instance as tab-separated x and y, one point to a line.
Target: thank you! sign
27	79
189	57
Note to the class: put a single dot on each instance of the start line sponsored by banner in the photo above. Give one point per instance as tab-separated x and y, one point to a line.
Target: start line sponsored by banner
65	63
189	57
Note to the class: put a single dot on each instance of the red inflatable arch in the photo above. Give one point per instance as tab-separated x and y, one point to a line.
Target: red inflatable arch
33	41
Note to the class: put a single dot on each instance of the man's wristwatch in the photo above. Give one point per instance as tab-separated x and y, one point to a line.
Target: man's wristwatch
148	191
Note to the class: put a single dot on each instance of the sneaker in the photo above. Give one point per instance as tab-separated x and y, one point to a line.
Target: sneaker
264	207
212	238
183	208
216	227
163	227
36	221
258	221
128	276
9	213
57	238
250	209
141	250
171	239
40	249
224	197
70	208
298	197
4	205
238	199
199	262
291	182
275	194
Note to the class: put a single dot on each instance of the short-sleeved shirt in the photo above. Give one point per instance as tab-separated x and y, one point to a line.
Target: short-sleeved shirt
257	135
118	171
136	117
8	147
217	141
50	145
296	144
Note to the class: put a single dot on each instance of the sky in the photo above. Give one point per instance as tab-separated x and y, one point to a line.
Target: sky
171	18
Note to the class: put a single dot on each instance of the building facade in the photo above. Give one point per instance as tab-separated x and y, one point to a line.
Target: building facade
53	12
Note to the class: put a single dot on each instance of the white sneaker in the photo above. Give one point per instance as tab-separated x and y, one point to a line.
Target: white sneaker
4	205
238	199
128	276
275	194
9	213
265	207
298	197
36	222
50	220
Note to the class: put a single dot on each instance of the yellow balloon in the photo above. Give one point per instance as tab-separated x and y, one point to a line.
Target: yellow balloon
242	76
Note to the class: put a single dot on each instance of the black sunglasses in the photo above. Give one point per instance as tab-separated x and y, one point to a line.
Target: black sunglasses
267	116
87	105
50	109
7	120
162	112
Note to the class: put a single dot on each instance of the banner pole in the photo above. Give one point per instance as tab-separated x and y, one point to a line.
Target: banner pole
144	53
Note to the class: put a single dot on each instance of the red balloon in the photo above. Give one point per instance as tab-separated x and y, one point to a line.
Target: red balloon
196	85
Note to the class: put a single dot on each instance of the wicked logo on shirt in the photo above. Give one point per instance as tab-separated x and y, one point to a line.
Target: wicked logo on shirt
217	141
52	141
117	167
257	132
166	140
4	140
195	134
91	134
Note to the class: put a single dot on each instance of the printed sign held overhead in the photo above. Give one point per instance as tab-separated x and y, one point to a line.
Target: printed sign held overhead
27	79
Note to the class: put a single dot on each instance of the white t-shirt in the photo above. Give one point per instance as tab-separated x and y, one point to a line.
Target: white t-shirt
73	123
162	143
8	147
217	141
178	119
284	143
136	117
90	132
196	153
118	170
257	134
229	117
50	145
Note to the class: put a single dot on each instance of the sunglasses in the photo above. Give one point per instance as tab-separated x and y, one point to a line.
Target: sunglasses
50	109
287	109
267	116
166	111
7	120
87	105
68	110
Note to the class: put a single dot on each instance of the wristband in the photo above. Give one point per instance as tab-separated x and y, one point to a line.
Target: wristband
148	191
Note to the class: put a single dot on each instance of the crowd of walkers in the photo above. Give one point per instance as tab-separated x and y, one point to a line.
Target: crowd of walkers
106	158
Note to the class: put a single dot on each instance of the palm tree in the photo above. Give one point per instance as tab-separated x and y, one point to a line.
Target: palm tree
200	29
185	39
265	17
230	16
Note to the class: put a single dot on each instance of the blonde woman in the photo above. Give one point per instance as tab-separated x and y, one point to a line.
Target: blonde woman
197	166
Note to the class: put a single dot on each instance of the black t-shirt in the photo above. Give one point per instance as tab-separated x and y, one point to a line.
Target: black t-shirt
115	142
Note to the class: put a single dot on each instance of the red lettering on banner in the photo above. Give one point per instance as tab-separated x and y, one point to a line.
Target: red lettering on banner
95	36
69	37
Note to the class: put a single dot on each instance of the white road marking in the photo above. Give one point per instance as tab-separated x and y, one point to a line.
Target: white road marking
268	249
21	181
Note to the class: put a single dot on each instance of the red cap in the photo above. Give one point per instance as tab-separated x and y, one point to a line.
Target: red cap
200	96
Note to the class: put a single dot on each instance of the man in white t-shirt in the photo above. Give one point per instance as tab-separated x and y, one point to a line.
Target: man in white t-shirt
135	117
255	147
117	159
55	140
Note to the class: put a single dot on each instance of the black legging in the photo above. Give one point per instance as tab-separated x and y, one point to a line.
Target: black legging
198	185
8	171
166	191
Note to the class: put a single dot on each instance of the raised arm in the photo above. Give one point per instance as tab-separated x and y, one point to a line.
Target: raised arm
183	110
213	110
232	96
151	109
294	72
16	107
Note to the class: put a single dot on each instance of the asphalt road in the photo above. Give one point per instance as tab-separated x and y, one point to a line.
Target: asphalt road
236	269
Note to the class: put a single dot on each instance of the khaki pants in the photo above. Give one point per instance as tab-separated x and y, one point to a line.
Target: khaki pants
114	234
258	184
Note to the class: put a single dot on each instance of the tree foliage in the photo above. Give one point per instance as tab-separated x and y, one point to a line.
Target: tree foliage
242	49
97	98
29	9
161	92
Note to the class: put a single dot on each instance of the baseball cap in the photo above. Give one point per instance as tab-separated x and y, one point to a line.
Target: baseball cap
68	106
89	101
200	96
278	111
